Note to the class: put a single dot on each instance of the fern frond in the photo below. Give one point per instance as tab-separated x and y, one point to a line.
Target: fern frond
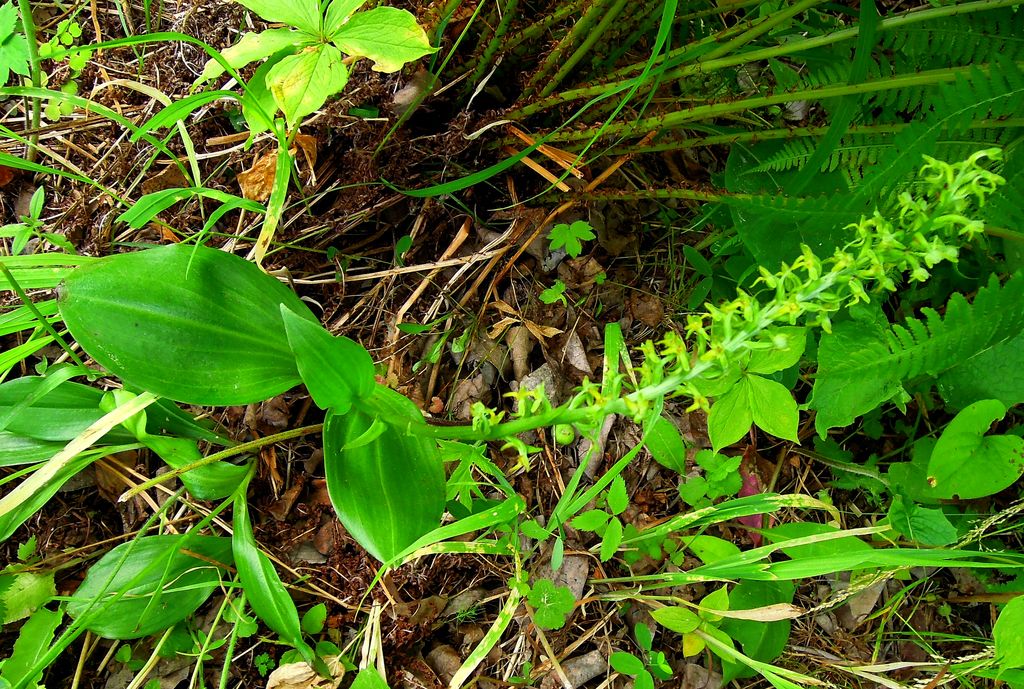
863	365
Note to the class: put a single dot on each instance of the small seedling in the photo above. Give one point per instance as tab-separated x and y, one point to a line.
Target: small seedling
571	237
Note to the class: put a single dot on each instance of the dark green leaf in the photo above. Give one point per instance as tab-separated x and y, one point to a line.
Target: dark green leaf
192	324
337	371
157	581
388	492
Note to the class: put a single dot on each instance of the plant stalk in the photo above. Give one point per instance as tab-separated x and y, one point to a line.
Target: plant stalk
33	109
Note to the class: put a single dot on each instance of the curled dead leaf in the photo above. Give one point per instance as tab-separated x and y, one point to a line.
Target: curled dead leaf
258	181
302	676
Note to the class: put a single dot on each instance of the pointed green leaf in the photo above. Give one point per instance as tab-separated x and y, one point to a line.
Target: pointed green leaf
388	36
611	539
157	581
666	445
730	417
388	492
267	596
338	11
191	324
677	618
772	407
302	14
336	370
34	640
303	82
255	46
1006	633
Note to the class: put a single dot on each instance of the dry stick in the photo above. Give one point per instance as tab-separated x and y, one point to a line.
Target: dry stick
460	237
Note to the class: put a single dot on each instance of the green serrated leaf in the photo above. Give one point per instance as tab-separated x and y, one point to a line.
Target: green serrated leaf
618	497
34	640
387	35
24	593
571	237
611	539
552	604
591	520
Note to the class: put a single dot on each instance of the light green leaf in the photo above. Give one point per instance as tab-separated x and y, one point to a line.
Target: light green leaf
338	11
618	497
255	46
370	484
387	35
161	580
666	445
993	373
773	407
626	663
610	539
716	600
314	619
552	604
34	640
22	594
336	370
923	525
302	83
730	417
591	520
258	105
966	464
264	590
368	678
790	343
710	549
679	619
302	14
1006	633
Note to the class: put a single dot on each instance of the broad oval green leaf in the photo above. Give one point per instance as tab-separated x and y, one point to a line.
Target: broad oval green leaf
968	464
679	619
336	370
387	35
301	83
192	324
145	586
388	492
338	12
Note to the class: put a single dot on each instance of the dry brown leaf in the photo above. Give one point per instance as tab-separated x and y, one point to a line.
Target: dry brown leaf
541	332
6	175
168	178
258	181
307	144
767	613
498	328
302	676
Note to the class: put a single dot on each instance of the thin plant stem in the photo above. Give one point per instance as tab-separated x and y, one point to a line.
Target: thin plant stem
223	454
33	106
593	37
705	66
